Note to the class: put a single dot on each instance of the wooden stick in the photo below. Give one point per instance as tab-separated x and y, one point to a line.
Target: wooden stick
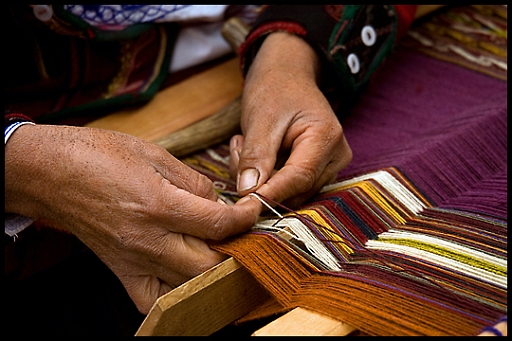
206	303
205	133
234	31
304	322
221	125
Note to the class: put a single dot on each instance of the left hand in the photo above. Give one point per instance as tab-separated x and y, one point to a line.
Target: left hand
144	213
292	142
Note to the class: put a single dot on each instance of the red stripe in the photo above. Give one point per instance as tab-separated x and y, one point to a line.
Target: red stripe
19	116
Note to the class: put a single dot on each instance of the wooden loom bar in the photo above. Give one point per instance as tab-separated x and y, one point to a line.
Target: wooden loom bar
206	303
304	322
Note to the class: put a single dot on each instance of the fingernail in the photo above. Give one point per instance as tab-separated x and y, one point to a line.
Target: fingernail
248	179
220	201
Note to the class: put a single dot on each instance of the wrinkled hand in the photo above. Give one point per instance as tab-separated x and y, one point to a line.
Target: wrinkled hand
292	142
144	213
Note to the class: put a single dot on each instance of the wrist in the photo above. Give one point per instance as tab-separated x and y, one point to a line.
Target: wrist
292	51
13	223
19	160
287	54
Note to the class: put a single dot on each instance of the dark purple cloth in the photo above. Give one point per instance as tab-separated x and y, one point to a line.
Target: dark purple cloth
443	125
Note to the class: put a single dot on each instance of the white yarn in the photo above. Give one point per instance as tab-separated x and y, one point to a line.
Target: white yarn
392	185
296	229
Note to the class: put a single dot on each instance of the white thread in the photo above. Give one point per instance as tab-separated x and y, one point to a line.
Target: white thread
226	199
214	155
426	239
468	29
423	40
392	185
221	186
481	60
300	232
463	53
313	244
486	22
439	261
270	225
265	203
498	63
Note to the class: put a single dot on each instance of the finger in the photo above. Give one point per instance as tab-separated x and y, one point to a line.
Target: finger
305	173
328	176
203	218
187	256
178	259
258	154
235	147
145	290
184	177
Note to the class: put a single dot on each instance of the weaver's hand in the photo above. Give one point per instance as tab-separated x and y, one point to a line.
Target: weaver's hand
144	213
292	142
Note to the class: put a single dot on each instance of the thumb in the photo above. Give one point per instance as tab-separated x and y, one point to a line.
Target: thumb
253	161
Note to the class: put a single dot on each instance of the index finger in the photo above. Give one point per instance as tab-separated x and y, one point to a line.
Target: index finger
207	219
307	169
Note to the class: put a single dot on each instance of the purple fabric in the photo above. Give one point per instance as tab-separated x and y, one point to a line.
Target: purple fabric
443	125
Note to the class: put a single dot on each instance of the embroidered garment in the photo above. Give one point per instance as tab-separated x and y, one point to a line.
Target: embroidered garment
352	41
412	237
88	60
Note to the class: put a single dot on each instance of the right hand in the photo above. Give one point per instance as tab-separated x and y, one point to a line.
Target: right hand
292	142
143	212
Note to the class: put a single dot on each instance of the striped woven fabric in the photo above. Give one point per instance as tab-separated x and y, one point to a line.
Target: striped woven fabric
412	237
471	36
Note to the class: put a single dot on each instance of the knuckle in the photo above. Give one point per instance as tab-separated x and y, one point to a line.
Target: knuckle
303	178
306	179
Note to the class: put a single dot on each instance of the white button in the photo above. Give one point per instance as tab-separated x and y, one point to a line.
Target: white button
43	12
353	63
368	35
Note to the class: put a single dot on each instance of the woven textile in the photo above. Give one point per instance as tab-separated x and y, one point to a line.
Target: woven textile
471	36
412	237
